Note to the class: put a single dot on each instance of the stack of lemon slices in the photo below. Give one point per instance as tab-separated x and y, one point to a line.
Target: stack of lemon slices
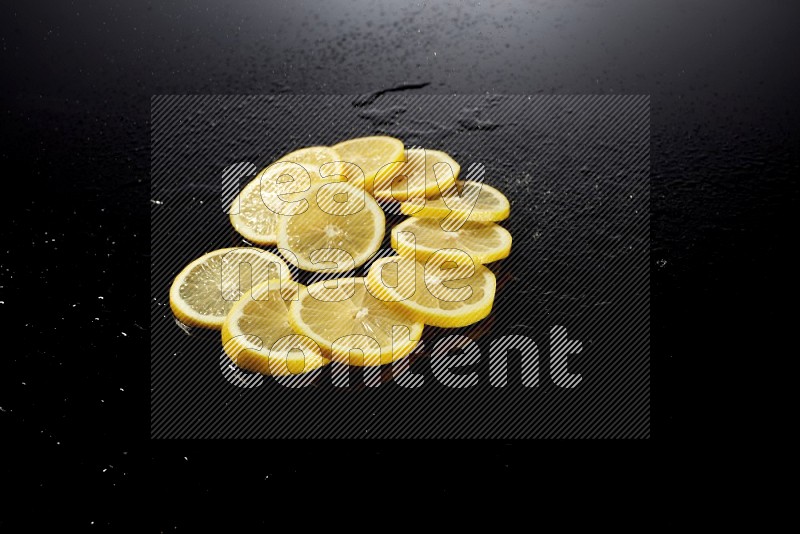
319	206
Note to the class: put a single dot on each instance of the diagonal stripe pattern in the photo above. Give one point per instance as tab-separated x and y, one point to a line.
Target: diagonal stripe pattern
576	171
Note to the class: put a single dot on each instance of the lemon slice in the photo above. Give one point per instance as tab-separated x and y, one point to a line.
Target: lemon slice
351	326
314	157
424	173
463	297
374	156
255	211
472	201
485	242
256	334
341	229
206	289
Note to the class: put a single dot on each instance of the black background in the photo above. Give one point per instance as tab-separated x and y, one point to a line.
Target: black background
576	172
76	88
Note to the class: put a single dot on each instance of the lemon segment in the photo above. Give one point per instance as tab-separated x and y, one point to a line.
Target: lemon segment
424	173
421	237
256	334
341	229
471	300
472	201
255	211
206	289
314	157
352	326
373	156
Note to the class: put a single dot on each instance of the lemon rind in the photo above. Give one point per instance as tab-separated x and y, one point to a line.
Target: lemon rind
431	188
267	363
370	357
422	253
358	260
428	212
188	316
443	318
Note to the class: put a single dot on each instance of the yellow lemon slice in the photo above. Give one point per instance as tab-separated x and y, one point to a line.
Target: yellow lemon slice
424	173
255	211
314	157
373	156
206	289
351	326
340	228
256	334
432	293
472	201
485	242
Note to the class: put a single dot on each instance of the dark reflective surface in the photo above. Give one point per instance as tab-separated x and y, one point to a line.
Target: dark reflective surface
75	101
